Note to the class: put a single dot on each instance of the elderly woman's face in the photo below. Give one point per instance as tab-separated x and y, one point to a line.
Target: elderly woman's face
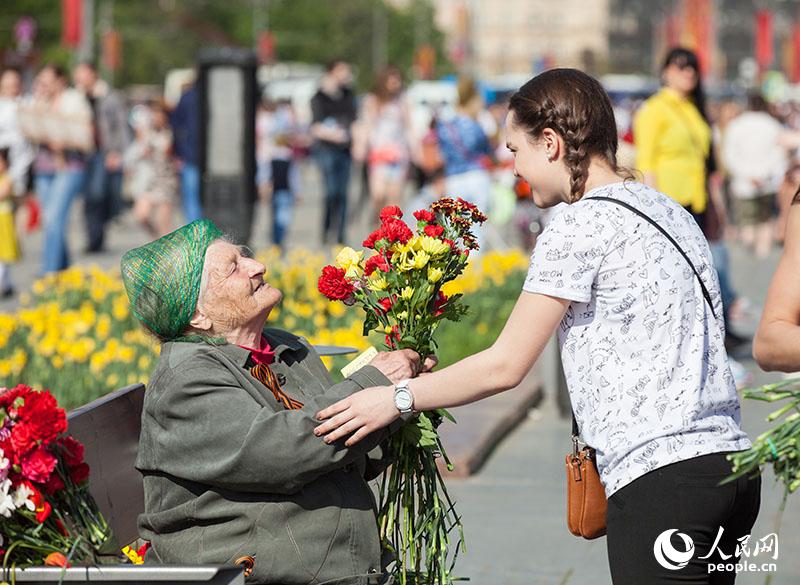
235	292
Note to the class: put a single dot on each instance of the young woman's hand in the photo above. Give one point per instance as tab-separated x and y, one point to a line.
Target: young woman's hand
358	415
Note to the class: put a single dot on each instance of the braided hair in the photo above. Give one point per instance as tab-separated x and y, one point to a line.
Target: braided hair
577	108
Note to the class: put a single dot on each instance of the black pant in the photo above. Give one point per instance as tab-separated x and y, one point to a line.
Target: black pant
686	497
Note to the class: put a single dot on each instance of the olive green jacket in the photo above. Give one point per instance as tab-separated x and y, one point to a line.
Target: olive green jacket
228	472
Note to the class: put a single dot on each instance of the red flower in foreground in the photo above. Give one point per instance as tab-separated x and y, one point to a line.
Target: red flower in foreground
72	450
386	304
54	484
434	231
79	473
373	238
393	337
396	230
391	211
424	215
376	262
7	397
440	301
333	284
56	559
41	411
38	465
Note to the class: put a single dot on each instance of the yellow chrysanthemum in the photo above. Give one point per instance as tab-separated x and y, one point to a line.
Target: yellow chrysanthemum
350	261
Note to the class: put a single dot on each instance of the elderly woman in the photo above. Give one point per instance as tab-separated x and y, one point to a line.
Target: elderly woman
232	471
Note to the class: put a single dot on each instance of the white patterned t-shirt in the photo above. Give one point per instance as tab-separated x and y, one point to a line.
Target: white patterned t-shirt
643	355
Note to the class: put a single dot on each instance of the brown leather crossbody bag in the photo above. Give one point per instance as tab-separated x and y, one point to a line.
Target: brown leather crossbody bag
586	497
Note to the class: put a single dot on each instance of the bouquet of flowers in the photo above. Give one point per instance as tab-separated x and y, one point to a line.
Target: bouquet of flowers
48	516
399	286
779	446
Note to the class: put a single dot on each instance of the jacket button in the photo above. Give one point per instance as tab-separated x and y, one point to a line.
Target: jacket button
281	379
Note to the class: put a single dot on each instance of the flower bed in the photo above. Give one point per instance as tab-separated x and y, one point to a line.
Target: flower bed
75	335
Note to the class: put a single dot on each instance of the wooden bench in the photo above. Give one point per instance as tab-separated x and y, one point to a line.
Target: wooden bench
109	430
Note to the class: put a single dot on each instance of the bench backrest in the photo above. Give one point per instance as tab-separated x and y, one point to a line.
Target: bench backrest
109	430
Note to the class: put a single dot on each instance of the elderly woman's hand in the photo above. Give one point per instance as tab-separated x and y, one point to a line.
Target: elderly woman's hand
401	364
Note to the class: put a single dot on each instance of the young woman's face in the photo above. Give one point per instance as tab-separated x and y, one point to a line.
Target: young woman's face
533	163
681	77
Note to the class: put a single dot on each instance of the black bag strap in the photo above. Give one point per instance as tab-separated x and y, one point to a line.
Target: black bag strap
575	430
670	238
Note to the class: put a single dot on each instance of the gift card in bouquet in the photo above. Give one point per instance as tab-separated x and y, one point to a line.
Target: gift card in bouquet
359	362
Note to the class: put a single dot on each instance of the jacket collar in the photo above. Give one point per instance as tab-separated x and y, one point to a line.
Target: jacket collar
279	340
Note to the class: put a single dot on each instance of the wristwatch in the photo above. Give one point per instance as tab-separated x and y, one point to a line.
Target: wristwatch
403	399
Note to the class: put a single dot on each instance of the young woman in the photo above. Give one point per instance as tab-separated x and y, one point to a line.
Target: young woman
383	139
642	348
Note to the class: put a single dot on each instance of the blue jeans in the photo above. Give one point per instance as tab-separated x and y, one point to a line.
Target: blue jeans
56	191
334	163
103	188
190	192
282	210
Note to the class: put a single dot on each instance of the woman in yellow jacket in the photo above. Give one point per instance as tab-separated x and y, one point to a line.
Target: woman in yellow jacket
672	135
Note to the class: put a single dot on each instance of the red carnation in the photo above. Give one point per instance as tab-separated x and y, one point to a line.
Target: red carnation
386	304
42	412
79	473
390	211
54	484
23	439
396	230
38	465
376	261
333	284
7	397
434	231
373	238
424	215
72	450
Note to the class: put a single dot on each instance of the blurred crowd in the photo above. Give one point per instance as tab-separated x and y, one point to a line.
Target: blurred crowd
732	162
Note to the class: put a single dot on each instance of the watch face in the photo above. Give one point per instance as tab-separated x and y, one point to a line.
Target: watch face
403	400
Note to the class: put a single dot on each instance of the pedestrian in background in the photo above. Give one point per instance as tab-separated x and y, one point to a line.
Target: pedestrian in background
674	153
333	111
9	247
20	151
278	134
466	151
672	136
382	139
60	165
151	167
185	123
103	192
755	155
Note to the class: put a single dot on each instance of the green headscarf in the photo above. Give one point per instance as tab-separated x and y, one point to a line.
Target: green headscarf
162	278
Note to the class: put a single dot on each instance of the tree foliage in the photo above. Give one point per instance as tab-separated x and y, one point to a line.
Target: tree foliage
159	35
